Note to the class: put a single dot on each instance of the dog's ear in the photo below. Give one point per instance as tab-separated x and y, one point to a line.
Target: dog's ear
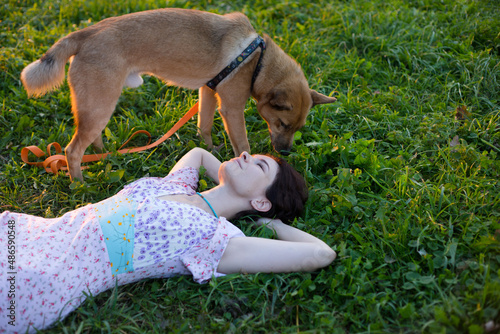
279	100
319	98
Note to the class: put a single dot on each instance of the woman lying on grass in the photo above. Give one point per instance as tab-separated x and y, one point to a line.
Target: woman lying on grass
157	227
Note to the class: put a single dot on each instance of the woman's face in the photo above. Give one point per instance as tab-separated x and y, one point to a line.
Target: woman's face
248	175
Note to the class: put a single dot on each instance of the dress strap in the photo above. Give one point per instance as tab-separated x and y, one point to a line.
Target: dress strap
208	204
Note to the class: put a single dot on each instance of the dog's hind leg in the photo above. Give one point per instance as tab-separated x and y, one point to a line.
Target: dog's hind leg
208	104
94	98
98	144
133	80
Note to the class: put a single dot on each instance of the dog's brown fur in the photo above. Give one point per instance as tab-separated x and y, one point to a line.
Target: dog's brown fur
186	48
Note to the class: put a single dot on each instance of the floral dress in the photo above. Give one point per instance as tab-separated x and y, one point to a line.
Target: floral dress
48	265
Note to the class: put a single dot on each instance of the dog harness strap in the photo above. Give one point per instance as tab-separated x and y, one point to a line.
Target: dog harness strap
259	63
258	42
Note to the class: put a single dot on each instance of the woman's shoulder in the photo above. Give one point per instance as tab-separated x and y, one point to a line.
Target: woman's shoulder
173	182
184	175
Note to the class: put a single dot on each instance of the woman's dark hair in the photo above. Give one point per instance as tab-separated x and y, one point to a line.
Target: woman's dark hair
287	194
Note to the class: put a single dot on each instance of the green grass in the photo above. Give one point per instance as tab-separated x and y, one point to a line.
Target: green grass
412	212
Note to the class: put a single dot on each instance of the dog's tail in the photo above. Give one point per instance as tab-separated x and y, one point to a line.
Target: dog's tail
47	72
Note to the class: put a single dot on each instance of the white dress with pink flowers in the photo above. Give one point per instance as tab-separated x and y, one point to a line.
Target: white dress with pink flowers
48	265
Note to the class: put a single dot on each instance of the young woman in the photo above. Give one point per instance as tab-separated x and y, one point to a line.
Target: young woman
154	227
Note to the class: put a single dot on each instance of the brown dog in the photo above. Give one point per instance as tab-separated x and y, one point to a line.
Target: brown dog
186	48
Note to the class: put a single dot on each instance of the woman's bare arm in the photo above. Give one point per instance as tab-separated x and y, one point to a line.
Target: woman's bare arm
295	251
199	157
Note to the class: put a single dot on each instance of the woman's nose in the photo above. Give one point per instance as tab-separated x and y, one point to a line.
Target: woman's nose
245	156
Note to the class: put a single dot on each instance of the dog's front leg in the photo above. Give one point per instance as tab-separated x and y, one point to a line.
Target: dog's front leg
206	113
232	110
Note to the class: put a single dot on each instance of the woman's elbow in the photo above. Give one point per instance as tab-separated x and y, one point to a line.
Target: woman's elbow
328	256
322	257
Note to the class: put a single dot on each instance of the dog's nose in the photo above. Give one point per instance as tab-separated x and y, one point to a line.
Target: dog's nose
285	152
282	146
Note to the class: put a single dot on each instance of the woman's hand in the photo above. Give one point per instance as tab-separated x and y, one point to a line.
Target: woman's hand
266	221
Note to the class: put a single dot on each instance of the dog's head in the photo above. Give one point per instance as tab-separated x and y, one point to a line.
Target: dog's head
285	110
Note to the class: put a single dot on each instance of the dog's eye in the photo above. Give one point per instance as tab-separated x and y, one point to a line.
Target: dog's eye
281	107
283	125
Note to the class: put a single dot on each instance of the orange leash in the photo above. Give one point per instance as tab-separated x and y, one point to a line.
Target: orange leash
55	163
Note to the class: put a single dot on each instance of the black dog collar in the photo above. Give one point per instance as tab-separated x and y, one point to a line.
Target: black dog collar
258	42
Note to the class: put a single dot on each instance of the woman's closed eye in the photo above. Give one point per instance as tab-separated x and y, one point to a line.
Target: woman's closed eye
263	164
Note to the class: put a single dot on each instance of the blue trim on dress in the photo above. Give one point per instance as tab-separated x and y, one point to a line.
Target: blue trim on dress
116	217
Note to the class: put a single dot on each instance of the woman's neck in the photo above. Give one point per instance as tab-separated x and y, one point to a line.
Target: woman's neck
225	203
